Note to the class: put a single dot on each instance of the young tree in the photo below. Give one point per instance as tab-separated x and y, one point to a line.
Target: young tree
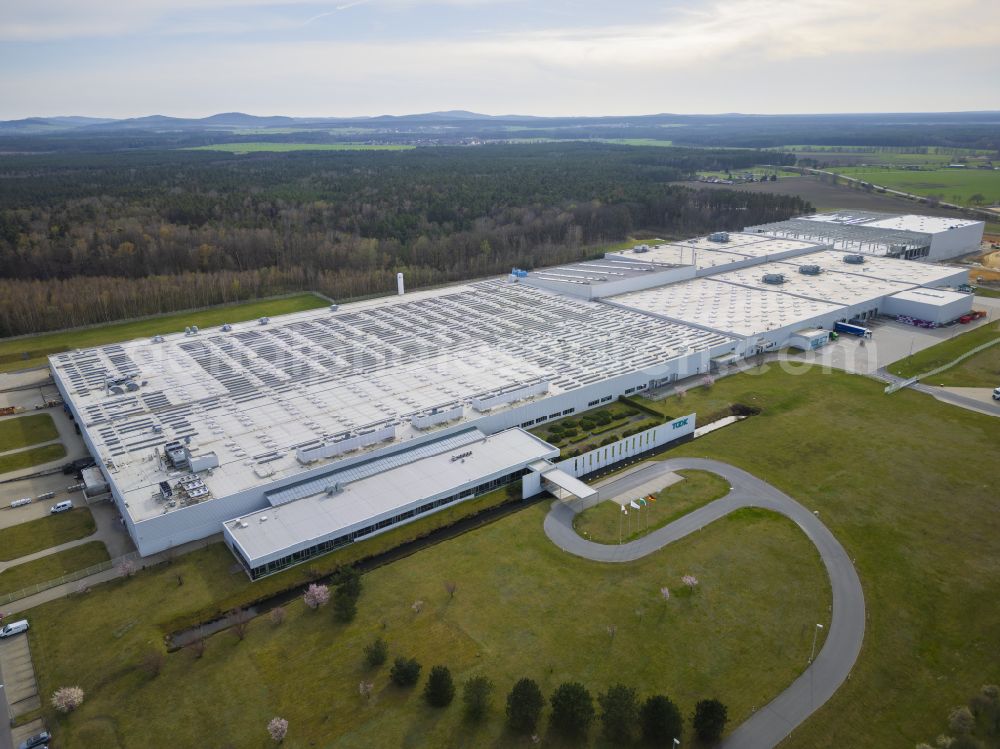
440	689
690	580
365	689
451	587
961	720
709	719
377	652
316	596
476	696
524	706
277	615
619	713
661	721
345	606
240	619
405	672
572	710
277	729
67	699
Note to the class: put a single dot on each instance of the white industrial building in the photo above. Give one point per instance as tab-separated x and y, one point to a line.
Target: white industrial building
909	236
300	433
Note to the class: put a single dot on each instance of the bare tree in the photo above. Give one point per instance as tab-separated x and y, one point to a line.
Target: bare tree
277	615
450	586
240	623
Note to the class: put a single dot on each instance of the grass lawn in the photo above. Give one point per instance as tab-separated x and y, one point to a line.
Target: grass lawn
53	566
522	608
601	522
34	456
952	185
21	353
26	430
993	293
947	351
261	147
44	533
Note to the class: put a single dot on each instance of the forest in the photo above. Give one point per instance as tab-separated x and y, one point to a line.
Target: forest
93	237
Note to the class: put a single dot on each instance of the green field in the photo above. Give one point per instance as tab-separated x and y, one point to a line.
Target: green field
22	431
522	607
261	147
25	352
603	522
950	185
934	156
44	533
52	566
35	456
947	351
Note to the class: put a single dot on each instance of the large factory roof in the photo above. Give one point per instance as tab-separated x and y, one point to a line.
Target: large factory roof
258	395
889	268
719	306
324	515
597	272
923	224
827	286
709	254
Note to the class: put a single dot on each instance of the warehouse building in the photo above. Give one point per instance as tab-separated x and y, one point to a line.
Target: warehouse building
299	434
909	237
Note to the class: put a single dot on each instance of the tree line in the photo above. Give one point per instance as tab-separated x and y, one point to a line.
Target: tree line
93	238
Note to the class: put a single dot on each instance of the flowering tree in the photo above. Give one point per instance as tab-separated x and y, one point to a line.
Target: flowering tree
690	580
67	699
665	593
365	689
126	568
708	382
277	728
316	596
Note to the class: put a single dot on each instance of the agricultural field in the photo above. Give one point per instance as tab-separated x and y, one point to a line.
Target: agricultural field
932	156
31	351
45	532
23	431
261	147
50	567
968	186
911	502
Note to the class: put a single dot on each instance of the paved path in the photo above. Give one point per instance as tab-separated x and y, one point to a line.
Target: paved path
772	723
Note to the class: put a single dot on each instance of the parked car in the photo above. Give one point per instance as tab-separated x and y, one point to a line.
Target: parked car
36	742
63	506
14	628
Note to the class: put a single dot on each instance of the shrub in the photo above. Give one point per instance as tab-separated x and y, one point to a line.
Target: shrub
277	615
316	596
277	729
377	652
570	432
405	672
709	719
67	699
619	712
572	709
660	720
440	689
524	706
587	424
603	418
960	720
345	606
476	696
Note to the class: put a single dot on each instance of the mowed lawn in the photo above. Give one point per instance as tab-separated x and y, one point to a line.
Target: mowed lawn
52	566
22	431
522	608
34	456
22	353
908	485
972	372
46	532
603	522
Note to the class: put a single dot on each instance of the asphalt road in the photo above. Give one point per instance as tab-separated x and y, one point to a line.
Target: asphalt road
832	666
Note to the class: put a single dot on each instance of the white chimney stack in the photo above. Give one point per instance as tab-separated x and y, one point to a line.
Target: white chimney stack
399	283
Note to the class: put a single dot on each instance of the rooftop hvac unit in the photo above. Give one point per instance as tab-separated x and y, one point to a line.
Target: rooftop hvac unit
226	327
774	278
264	321
719	236
157	339
187	330
194	329
334	307
854	259
810	270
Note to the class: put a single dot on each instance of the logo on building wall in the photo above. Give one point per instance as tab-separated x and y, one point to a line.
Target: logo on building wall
680	422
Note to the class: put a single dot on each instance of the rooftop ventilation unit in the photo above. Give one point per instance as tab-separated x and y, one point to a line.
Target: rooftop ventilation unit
187	330
640	248
226	327
810	270
157	339
334	307
854	259
774	278
194	329
719	236
264	321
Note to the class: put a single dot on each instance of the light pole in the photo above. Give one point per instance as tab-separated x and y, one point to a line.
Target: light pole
677	742
812	655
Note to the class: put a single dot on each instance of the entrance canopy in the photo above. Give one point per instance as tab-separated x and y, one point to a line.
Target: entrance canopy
558	482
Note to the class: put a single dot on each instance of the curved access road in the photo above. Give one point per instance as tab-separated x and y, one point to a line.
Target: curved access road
772	723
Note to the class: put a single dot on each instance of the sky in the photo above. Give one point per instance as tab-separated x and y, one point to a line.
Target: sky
193	58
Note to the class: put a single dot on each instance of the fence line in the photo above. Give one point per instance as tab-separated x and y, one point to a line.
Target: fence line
70	577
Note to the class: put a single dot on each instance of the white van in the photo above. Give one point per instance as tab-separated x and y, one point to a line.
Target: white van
996	394
63	506
14	628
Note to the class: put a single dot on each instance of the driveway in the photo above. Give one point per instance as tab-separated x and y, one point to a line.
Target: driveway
772	723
